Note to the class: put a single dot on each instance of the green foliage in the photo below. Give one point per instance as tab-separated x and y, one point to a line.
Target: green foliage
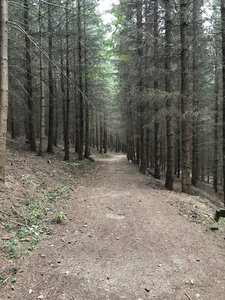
53	197
35	209
22	232
60	191
7	226
221	221
2	278
34	241
26	179
25	238
11	248
120	17
58	217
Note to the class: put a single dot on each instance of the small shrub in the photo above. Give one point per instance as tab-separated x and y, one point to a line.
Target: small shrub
11	247
58	217
53	197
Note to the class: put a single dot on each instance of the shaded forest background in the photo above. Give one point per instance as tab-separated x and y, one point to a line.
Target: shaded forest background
150	84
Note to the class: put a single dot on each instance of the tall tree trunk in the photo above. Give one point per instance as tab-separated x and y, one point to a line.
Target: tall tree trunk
178	141
50	78
96	131
76	100
12	118
169	133
87	126
138	150
67	111
77	113
42	88
3	84
29	88
223	63
63	92
195	120
105	143
56	121
129	146
186	179
81	97
148	147
100	130
87	104
156	87
139	6
216	158
130	137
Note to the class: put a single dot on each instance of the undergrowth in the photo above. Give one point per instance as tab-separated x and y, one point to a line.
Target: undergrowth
33	214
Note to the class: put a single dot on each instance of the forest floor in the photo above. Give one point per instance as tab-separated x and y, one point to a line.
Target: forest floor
121	237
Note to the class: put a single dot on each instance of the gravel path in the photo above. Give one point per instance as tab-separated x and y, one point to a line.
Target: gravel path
122	240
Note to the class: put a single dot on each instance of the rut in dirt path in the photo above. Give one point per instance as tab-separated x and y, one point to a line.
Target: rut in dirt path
122	240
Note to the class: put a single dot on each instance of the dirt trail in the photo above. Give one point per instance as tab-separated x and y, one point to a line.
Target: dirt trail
122	240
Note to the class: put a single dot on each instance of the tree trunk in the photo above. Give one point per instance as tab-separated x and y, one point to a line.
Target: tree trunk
67	107
216	158
105	143
12	118
169	133
139	6
178	141
56	121
156	87
87	127
101	131
96	131
186	179
223	64
129	147
63	92
138	150
50	78
77	113
29	88
87	104
3	84
42	89
195	119
81	98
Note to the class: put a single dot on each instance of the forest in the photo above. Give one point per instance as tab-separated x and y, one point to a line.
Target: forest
93	81
150	84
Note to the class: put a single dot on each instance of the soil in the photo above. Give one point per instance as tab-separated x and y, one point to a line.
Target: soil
124	239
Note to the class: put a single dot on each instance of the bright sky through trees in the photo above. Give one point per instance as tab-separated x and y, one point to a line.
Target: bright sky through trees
104	6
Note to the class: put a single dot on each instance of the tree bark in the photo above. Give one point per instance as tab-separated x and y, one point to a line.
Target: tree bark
186	179
67	107
42	89
29	88
50	78
195	88
62	84
12	118
139	7
105	143
3	84
216	158
223	65
156	87
87	104
169	133
101	137
81	98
